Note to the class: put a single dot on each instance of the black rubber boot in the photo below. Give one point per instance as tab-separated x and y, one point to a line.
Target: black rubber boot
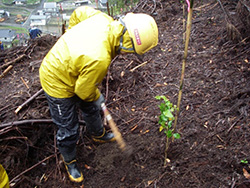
75	175
68	154
104	137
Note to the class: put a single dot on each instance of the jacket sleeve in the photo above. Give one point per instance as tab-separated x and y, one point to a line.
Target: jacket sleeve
89	79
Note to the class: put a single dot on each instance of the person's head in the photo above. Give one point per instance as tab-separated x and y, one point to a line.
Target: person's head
143	31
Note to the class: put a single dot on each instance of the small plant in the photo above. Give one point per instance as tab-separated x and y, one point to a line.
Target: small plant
244	161
166	119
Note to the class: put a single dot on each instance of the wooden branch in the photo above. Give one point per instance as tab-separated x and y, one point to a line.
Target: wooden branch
37	164
31	121
26	85
107	90
13	61
205	6
234	124
57	160
6	71
14	138
129	64
32	49
144	63
108	76
30	99
223	9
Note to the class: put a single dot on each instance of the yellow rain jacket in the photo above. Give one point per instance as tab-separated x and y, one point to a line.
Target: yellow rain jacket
82	13
4	179
79	60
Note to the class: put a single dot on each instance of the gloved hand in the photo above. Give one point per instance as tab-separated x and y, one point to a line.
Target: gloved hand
99	101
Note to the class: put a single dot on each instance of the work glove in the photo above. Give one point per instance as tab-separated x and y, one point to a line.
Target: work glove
99	101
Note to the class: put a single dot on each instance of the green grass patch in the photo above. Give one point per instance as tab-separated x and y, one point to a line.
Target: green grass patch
32	2
7	2
17	29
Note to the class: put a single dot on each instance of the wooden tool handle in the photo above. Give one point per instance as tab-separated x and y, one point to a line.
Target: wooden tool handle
113	127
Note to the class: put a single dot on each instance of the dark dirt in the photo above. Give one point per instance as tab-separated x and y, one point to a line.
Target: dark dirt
214	114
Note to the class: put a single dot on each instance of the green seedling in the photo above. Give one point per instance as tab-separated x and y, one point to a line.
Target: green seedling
166	119
244	161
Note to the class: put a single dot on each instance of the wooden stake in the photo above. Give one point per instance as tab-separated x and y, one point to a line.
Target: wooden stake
188	31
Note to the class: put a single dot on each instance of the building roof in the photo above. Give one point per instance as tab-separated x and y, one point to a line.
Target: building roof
37	17
85	1
23	1
49	5
7	33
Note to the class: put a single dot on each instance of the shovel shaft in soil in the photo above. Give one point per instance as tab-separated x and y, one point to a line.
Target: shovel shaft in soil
113	127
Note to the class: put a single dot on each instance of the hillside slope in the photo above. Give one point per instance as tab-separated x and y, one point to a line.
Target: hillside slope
214	115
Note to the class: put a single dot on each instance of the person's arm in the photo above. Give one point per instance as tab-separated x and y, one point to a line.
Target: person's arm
90	78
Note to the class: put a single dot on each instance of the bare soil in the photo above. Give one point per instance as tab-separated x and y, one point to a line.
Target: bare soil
214	113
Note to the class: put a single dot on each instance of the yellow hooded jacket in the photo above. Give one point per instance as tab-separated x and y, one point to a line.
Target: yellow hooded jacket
79	60
82	13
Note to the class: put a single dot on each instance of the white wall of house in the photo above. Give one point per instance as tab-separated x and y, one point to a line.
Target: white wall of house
38	20
50	8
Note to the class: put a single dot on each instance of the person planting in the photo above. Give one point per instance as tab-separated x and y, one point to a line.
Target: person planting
76	65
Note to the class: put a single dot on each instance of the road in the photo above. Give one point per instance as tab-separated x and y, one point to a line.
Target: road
26	24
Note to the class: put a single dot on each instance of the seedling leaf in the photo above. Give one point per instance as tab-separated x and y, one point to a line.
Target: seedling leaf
169	133
177	135
168	114
244	161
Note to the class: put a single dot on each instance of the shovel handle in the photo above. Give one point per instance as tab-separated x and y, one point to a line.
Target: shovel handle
113	127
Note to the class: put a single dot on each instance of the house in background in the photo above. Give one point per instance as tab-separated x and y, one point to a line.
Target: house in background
103	3
7	36
4	15
38	20
19	2
40	12
80	3
51	9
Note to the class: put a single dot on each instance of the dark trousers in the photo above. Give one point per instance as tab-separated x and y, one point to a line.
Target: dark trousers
64	114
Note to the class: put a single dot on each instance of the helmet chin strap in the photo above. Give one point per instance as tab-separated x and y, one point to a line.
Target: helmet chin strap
121	39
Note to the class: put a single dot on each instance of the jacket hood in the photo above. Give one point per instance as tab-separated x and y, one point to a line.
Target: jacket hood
125	44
